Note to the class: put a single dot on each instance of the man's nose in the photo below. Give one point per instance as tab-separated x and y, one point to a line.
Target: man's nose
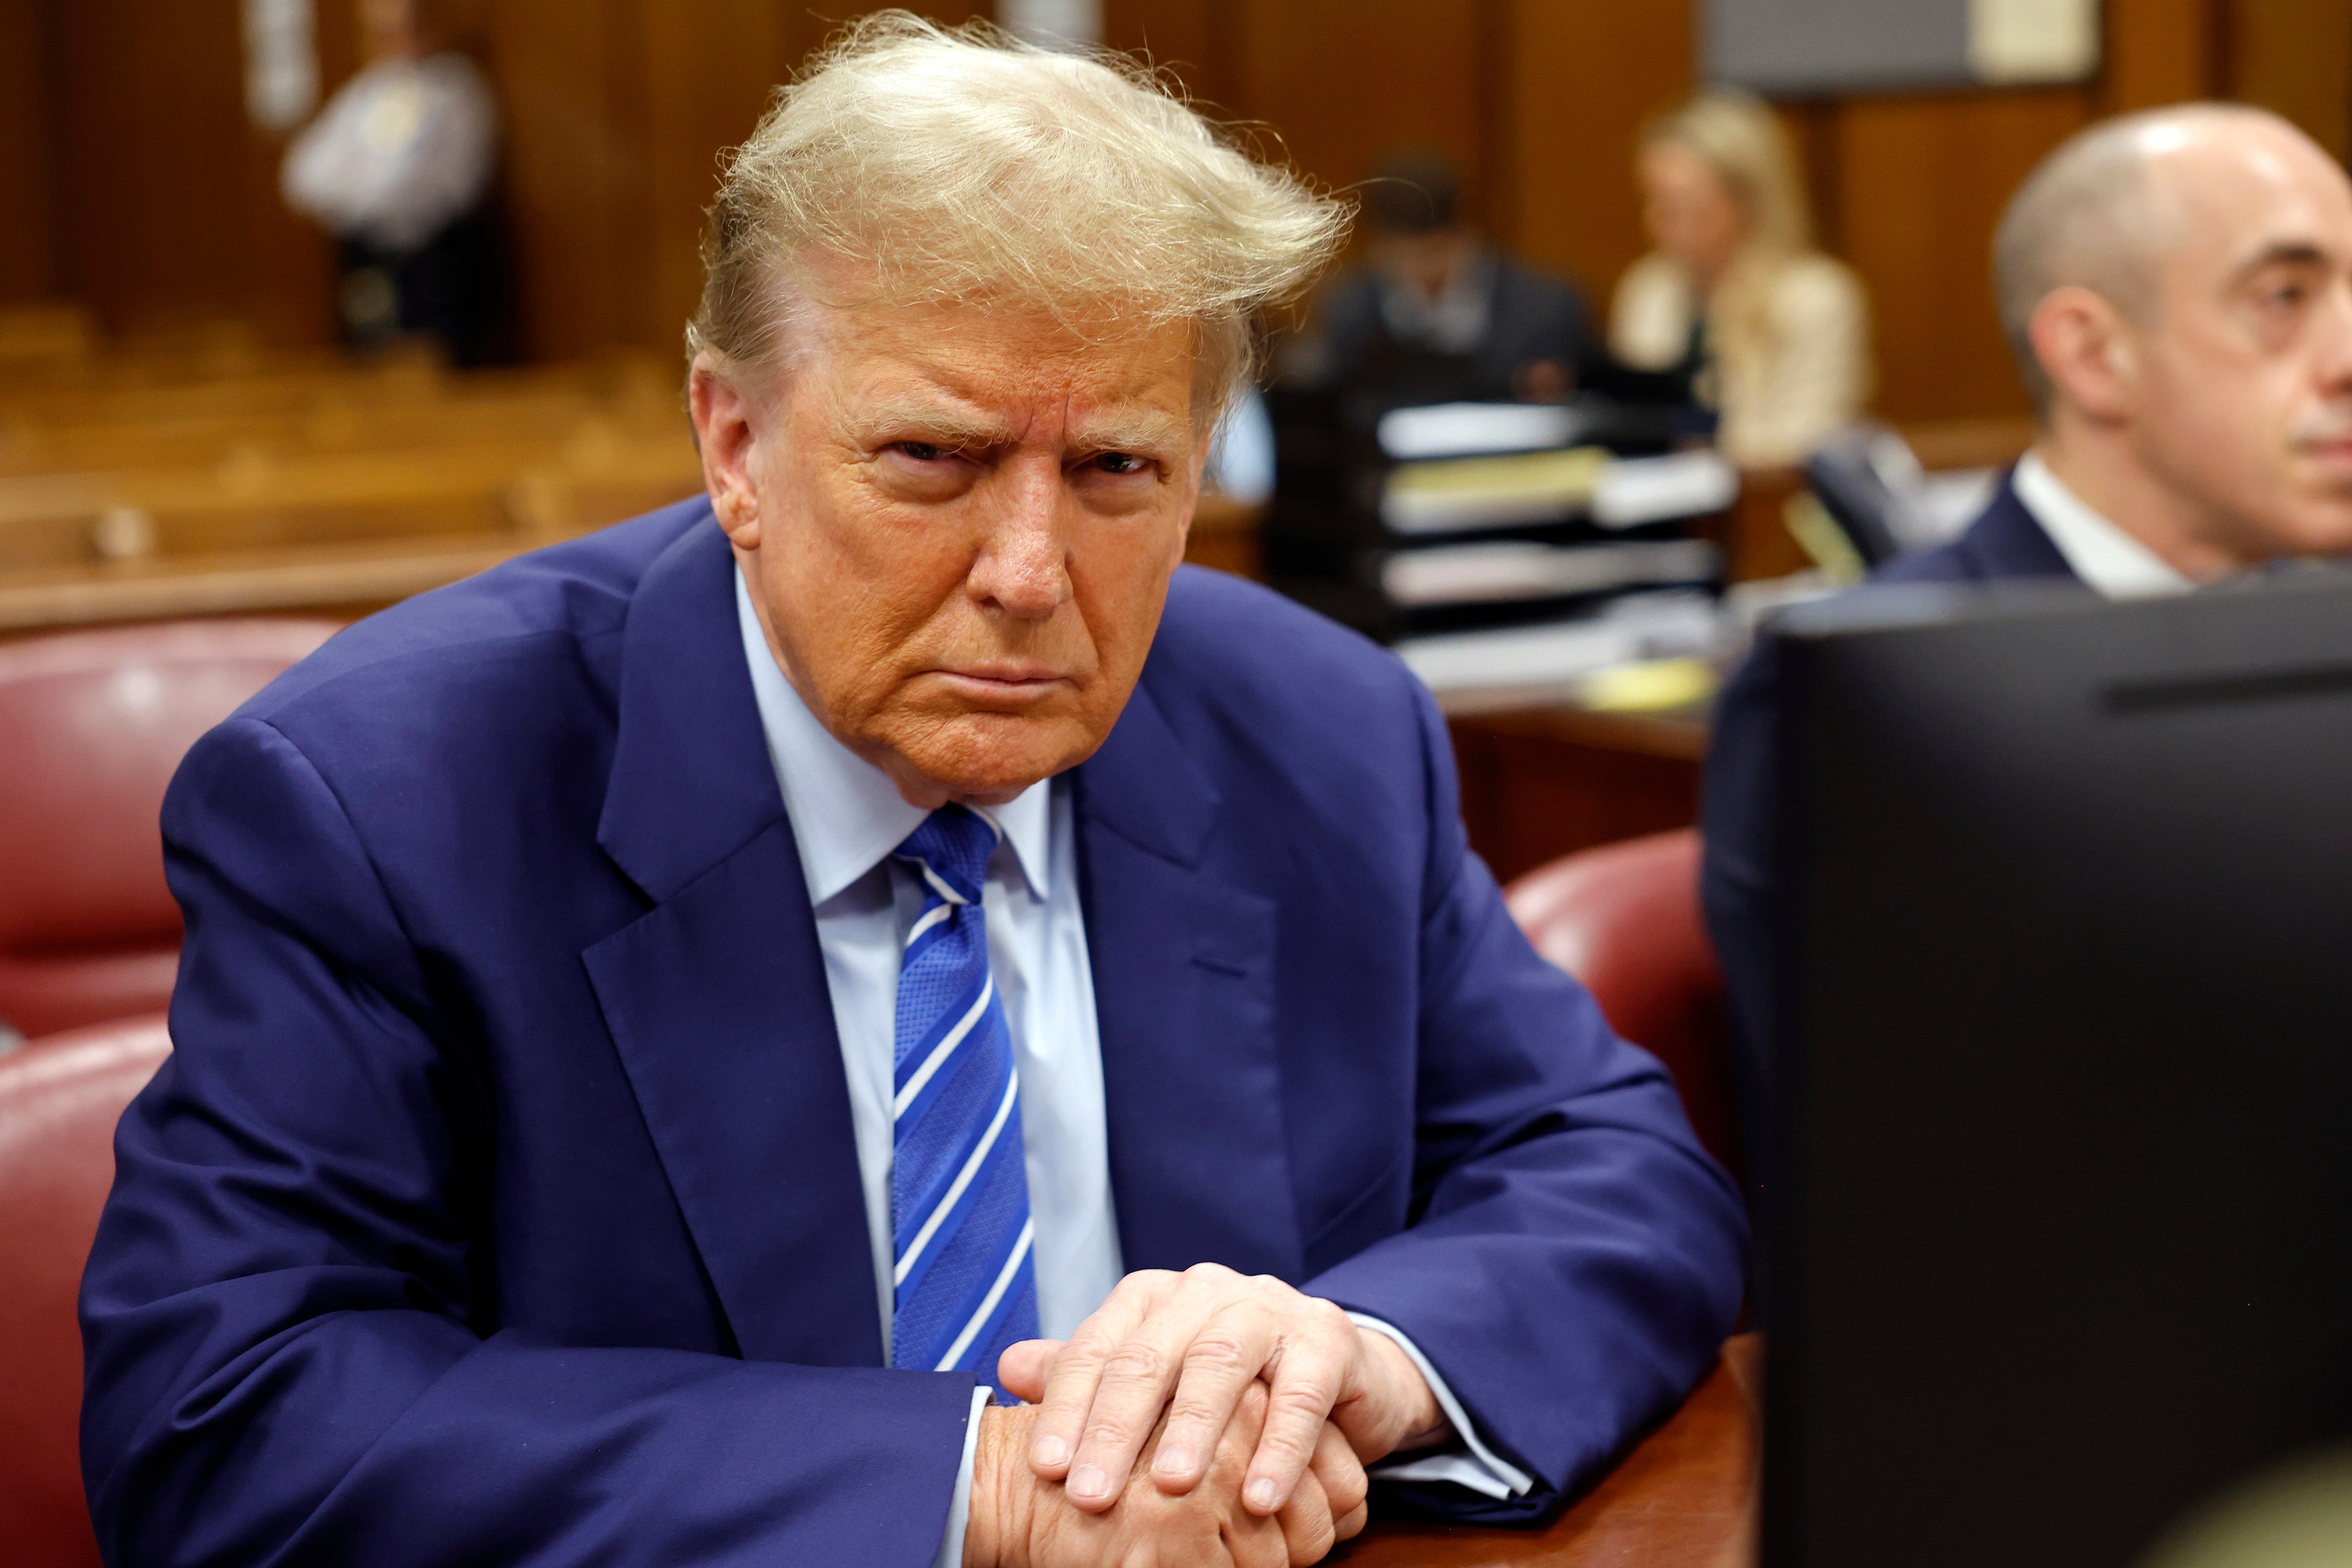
2332	353
1023	563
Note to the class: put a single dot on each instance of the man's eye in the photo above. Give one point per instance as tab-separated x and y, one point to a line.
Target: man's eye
1119	463
923	451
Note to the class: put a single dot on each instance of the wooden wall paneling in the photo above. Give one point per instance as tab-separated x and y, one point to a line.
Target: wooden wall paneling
1192	39
1816	125
295	282
2295	57
2157	52
152	167
291	290
564	154
130	176
1498	105
1344	82
632	219
1922	180
29	266
710	69
1581	76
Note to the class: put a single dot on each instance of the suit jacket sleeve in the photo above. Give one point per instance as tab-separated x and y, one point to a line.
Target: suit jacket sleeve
1539	317
1573	1258
289	1358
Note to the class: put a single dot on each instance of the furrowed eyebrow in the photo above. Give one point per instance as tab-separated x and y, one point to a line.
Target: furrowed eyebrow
930	423
2283	253
1142	430
1138	432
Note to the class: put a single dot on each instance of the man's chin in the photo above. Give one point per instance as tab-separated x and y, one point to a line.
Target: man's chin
987	759
2324	528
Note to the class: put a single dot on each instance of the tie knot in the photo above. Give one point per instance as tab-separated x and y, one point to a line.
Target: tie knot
953	845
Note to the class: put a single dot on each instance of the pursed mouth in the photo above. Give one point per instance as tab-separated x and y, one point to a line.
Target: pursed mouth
1008	677
1006	684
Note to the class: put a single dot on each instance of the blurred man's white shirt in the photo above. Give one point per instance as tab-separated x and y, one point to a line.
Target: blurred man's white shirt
404	148
2113	563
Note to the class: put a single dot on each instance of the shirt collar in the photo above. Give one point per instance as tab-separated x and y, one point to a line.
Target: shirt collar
2111	562
847	815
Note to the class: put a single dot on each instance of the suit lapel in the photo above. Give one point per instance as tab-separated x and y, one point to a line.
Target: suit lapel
717	998
1183	967
2008	543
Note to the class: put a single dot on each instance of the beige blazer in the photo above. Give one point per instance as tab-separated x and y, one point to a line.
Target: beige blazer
1781	385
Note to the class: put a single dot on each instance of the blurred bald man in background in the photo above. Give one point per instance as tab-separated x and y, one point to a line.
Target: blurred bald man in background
2177	286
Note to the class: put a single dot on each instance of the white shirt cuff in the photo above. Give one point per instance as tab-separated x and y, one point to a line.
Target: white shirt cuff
1467	1463
960	1510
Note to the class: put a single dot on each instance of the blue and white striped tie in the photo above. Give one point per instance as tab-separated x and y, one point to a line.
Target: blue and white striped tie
959	1191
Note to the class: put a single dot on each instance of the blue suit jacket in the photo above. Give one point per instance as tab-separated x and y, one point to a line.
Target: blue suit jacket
500	1203
1739	883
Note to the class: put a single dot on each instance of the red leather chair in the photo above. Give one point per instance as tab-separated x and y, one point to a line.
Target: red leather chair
59	1100
91	726
1624	919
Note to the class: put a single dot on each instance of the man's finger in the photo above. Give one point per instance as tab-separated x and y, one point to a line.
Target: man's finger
1133	1388
1341	1474
1308	1526
1254	1543
1308	1531
1069	1390
1021	1370
1317	1367
1224	1357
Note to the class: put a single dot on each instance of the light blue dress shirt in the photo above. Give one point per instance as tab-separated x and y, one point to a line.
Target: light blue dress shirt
847	818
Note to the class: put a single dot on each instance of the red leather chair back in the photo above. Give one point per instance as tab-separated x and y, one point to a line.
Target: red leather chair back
91	726
1624	919
59	1100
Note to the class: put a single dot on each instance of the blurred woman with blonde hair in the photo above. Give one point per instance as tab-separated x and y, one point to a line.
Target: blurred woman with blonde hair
1774	334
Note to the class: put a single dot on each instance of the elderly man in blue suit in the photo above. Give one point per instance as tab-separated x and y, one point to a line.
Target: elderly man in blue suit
2176	288
668	1026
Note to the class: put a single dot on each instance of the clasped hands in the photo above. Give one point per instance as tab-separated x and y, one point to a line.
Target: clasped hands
1204	1417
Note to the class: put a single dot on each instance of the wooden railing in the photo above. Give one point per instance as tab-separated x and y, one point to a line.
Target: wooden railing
216	478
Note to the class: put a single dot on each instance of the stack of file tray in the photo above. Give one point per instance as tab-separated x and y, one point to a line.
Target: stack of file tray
1410	522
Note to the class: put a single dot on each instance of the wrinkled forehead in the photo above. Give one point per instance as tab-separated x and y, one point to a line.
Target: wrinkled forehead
847	320
1000	369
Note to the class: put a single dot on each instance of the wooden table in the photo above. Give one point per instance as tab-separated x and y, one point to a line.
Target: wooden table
1541	782
1684	1498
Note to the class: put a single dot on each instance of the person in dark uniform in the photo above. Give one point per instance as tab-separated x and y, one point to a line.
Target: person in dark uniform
1441	315
400	167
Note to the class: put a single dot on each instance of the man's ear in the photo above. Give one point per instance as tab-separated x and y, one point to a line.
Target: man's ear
2088	351
724	431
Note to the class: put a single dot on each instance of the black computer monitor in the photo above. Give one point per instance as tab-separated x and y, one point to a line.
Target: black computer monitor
2063	1228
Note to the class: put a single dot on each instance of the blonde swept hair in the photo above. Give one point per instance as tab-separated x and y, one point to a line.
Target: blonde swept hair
964	164
1744	143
